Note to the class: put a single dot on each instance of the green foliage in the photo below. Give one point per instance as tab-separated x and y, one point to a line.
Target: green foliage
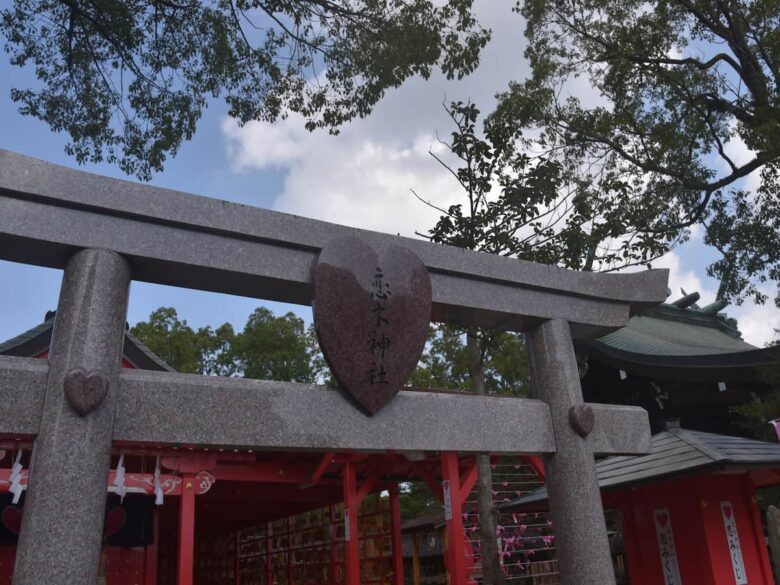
543	208
417	499
128	81
205	351
444	364
756	415
670	85
275	348
269	347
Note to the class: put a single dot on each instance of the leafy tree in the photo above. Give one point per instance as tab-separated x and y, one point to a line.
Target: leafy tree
545	209
128	81
205	351
675	84
269	347
444	364
275	348
755	416
417	499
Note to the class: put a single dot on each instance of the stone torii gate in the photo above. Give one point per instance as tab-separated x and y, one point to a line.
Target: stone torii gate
105	233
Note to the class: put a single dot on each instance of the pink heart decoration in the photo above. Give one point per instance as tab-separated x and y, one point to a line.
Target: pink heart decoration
727	511
662	519
12	518
115	520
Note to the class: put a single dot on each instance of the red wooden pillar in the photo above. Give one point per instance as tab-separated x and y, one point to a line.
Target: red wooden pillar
334	549
395	523
186	560
453	510
351	537
150	577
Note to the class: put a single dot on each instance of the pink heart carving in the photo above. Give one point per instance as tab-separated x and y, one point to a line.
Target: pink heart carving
727	511
662	519
12	518
115	520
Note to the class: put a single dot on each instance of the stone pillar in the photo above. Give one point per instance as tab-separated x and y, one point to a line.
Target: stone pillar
64	508
575	501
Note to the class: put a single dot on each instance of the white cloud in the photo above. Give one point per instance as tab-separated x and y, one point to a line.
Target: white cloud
683	278
363	176
261	145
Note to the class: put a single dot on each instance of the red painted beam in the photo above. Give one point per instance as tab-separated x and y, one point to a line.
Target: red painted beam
263	472
453	509
322	466
351	537
186	557
537	464
335	561
370	482
395	522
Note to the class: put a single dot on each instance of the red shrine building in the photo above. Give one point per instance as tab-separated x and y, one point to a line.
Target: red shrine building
177	515
684	513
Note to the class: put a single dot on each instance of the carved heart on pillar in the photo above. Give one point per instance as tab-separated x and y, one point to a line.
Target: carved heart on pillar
85	391
371	313
582	419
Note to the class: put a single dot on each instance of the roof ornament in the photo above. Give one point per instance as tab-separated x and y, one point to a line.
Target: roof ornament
687	300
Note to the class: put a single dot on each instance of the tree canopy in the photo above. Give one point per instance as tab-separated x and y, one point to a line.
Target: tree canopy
682	103
269	347
128	81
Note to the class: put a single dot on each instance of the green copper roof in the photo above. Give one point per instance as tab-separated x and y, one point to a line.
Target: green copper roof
669	330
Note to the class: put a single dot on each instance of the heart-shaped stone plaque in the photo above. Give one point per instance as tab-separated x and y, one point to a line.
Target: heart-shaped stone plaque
85	391
582	418
371	312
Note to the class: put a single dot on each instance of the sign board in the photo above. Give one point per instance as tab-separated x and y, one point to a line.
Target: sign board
669	565
732	539
445	488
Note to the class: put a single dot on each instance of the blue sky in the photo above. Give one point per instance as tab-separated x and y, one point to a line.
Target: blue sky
362	177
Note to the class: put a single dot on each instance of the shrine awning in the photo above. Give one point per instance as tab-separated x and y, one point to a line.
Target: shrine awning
676	452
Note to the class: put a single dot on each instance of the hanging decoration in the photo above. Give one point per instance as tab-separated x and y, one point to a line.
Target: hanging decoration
16	478
119	479
158	491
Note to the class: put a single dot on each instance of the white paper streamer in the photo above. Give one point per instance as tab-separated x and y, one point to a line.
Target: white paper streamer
158	491
119	479
16	478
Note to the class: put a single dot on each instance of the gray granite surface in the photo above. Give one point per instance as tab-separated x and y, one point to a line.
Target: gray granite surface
62	526
575	502
371	313
48	211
